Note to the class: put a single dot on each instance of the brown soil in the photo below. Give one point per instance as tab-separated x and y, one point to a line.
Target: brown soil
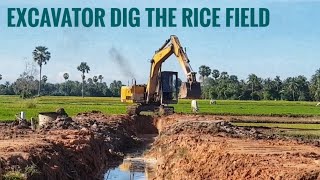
203	147
82	153
188	147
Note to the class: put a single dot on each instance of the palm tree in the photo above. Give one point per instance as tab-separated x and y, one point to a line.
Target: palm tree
253	80
95	79
44	79
66	77
215	74
41	55
293	87
0	77
83	68
7	84
204	71
224	75
278	82
315	85
100	78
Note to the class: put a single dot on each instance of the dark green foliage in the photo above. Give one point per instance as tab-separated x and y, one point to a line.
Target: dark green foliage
225	86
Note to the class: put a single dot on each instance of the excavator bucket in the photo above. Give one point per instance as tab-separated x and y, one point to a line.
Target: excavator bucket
190	91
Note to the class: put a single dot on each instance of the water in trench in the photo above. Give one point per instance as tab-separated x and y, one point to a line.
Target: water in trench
135	166
131	169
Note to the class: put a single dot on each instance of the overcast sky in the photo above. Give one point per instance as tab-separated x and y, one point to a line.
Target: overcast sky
288	47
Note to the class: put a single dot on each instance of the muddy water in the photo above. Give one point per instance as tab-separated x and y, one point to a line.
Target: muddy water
134	166
132	169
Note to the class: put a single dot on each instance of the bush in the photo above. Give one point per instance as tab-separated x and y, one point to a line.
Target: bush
30	104
14	175
31	170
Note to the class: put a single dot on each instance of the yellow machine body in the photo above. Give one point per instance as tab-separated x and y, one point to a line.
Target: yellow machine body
161	90
133	94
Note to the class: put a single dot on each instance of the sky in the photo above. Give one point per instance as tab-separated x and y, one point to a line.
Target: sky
289	46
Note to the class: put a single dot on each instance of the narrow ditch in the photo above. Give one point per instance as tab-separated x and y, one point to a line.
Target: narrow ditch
89	146
97	146
134	165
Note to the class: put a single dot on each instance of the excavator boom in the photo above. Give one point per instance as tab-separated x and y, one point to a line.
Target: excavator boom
162	87
188	90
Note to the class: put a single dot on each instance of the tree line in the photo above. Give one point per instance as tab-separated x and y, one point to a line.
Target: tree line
27	86
221	85
215	84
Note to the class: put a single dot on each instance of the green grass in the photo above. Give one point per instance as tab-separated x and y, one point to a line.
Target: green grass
11	105
279	125
310	134
268	108
309	131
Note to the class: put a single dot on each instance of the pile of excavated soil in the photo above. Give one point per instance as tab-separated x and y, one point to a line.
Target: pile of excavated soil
80	150
198	148
214	127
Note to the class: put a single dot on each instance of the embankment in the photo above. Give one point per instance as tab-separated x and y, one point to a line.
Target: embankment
80	149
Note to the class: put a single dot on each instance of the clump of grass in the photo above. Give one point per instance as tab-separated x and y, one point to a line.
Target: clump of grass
14	175
31	170
31	105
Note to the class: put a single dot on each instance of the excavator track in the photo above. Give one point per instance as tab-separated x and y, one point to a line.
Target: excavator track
166	110
161	110
133	110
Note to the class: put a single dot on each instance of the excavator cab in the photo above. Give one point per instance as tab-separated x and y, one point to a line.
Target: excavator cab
169	87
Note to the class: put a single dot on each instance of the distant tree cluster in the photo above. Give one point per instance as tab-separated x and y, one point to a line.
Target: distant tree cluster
215	84
27	86
221	85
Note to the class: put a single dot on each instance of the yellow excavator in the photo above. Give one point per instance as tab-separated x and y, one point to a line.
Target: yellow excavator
162	87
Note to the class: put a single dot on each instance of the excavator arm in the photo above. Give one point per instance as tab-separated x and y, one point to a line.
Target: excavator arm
190	89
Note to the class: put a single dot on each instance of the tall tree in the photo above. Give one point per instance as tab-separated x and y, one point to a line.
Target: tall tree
41	56
66	77
224	75
215	74
278	84
83	68
269	89
292	86
100	78
44	78
315	85
115	87
0	77
254	83
95	79
303	91
204	71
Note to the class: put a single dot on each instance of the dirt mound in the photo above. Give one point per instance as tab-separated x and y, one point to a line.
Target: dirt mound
78	148
198	148
214	128
61	122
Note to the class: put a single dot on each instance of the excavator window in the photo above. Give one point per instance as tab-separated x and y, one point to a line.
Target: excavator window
169	88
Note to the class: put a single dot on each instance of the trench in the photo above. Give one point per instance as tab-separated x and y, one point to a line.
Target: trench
134	165
123	147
